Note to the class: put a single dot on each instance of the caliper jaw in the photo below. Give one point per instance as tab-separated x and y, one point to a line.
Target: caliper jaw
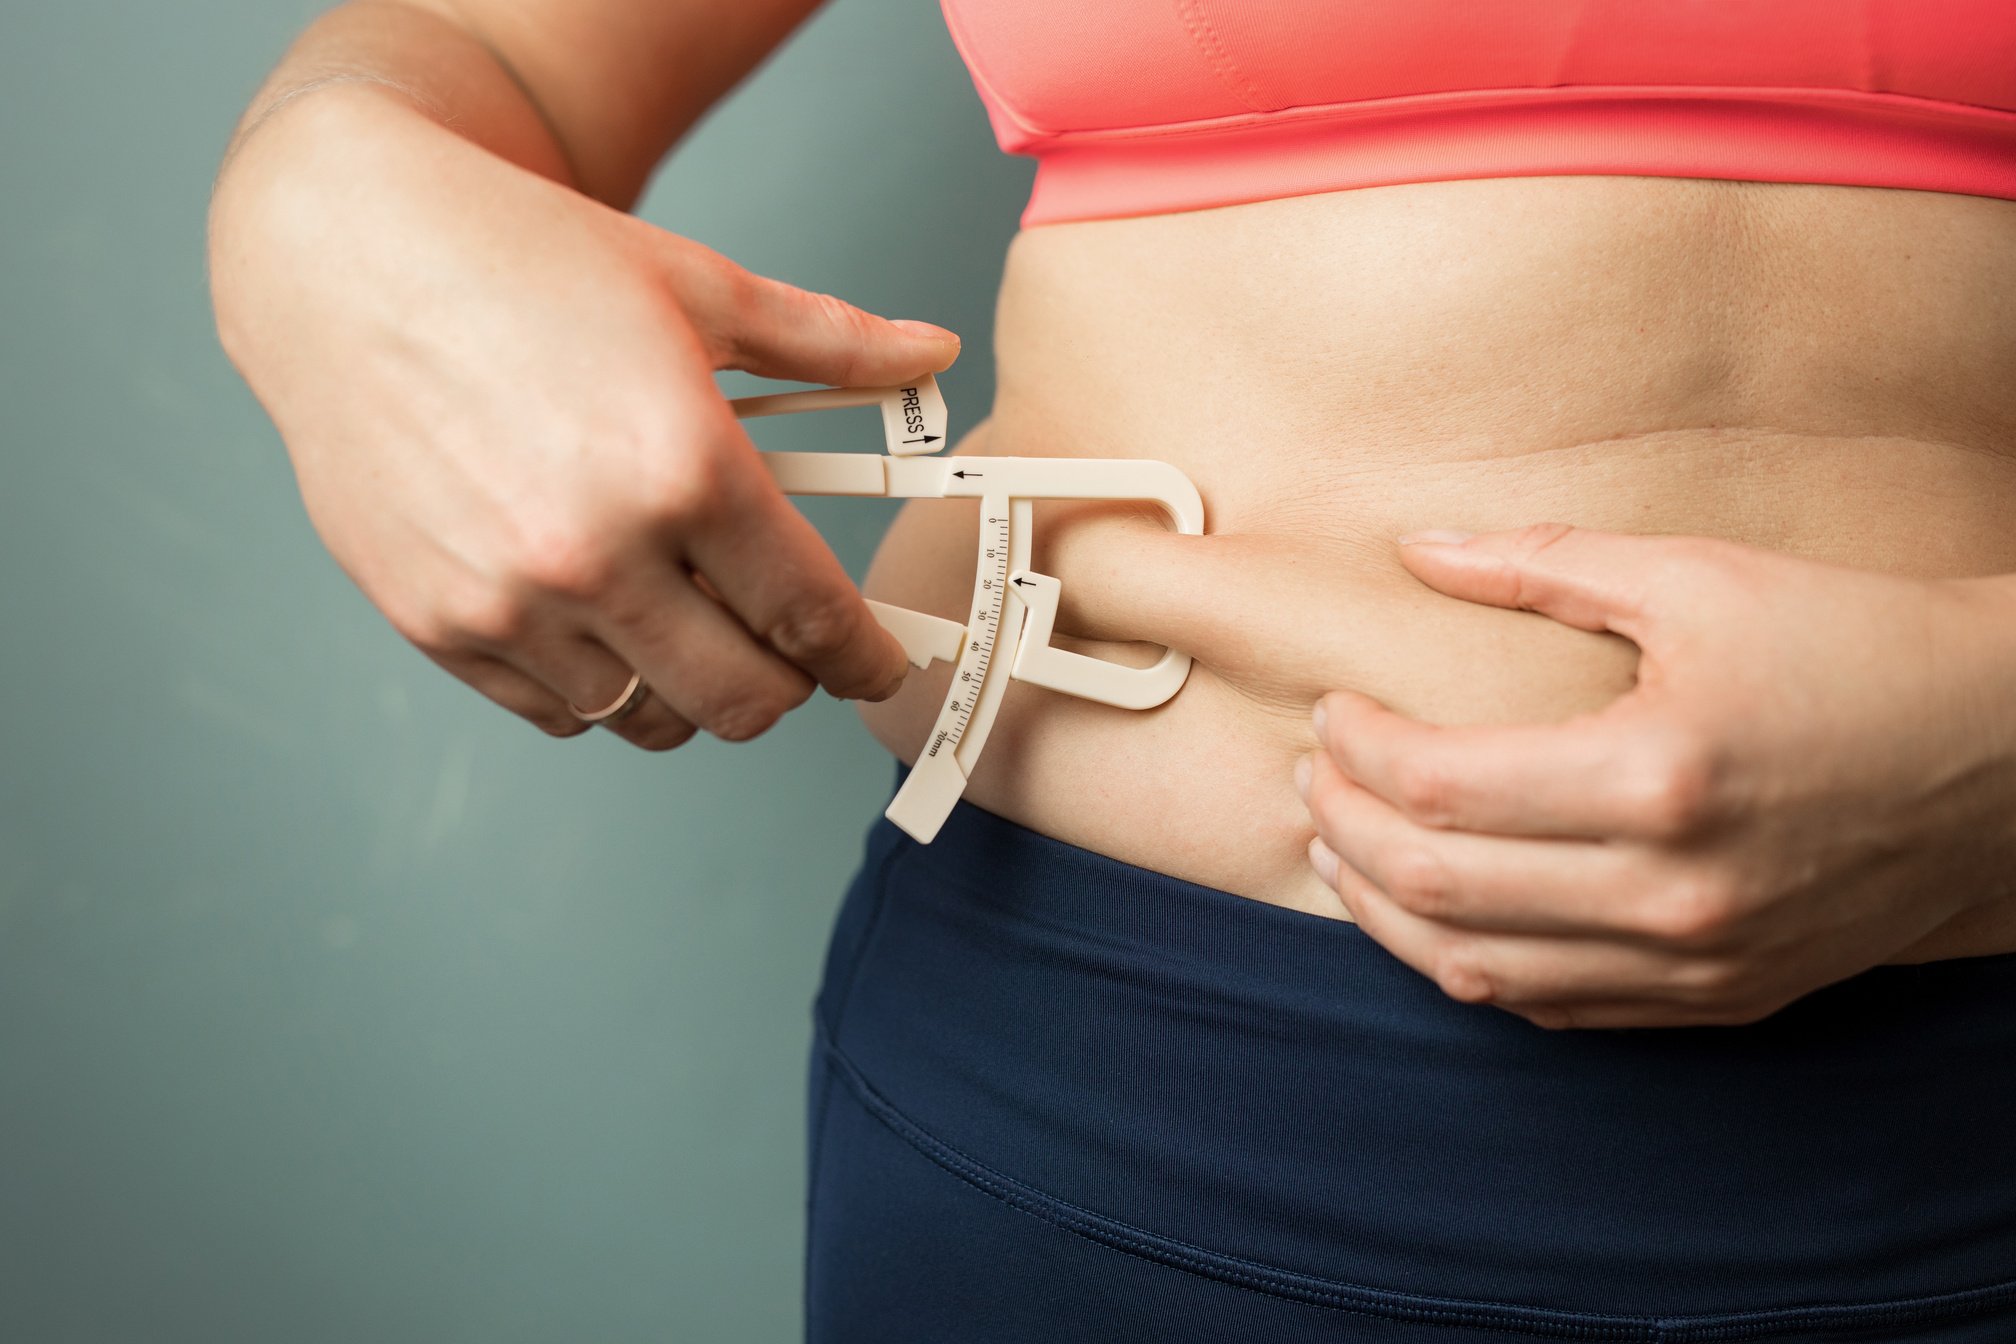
1014	608
1041	663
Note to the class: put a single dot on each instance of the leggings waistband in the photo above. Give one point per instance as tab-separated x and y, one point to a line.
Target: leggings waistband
1276	1089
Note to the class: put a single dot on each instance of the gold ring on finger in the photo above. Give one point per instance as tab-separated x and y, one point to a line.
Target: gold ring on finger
635	694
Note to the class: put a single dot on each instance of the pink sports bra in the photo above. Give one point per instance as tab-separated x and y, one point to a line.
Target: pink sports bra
1136	107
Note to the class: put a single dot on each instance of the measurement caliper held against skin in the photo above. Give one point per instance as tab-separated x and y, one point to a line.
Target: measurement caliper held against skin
1014	608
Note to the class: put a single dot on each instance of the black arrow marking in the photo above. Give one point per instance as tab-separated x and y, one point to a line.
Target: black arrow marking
928	438
962	475
1018	582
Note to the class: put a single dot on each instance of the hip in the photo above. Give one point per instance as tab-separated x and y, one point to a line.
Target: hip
1060	1097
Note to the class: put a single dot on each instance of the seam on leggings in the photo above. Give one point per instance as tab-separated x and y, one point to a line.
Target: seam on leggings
1258	1276
818	1149
821	1035
870	928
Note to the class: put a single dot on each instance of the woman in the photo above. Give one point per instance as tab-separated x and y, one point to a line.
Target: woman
1607	620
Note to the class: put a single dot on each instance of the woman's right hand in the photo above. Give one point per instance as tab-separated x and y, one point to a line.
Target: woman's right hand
497	394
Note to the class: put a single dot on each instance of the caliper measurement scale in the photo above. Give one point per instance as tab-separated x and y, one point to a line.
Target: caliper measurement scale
1014	608
990	617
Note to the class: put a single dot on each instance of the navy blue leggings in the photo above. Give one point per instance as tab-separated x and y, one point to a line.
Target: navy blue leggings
1055	1097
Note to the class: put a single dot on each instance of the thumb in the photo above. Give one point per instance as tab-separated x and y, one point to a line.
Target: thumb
777	330
1588	579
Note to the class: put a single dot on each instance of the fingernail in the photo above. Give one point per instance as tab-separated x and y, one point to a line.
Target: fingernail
1444	534
924	329
1323	861
1318	718
1303	769
891	688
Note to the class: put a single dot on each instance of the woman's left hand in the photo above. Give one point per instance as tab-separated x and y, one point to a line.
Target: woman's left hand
1816	768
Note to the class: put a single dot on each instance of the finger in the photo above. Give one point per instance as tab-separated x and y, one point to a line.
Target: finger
770	566
587	668
777	330
1581	577
787	332
1559	887
551	668
1619	772
700	582
696	656
1624	1014
1511	969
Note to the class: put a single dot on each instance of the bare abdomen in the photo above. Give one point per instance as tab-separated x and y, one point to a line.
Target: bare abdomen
1827	371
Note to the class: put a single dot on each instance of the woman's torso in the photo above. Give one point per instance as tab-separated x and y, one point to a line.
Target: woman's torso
1828	371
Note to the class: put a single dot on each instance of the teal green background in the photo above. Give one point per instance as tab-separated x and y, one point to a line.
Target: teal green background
337	1003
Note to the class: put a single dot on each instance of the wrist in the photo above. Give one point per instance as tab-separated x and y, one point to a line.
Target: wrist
1989	604
1986	926
337	88
354	183
429	69
1992	599
281	190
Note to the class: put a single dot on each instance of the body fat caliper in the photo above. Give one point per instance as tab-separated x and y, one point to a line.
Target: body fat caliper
1014	608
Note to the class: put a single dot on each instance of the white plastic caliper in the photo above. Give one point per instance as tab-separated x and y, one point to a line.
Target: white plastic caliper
1008	635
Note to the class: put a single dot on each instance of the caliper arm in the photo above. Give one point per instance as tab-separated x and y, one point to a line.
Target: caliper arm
1007	637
